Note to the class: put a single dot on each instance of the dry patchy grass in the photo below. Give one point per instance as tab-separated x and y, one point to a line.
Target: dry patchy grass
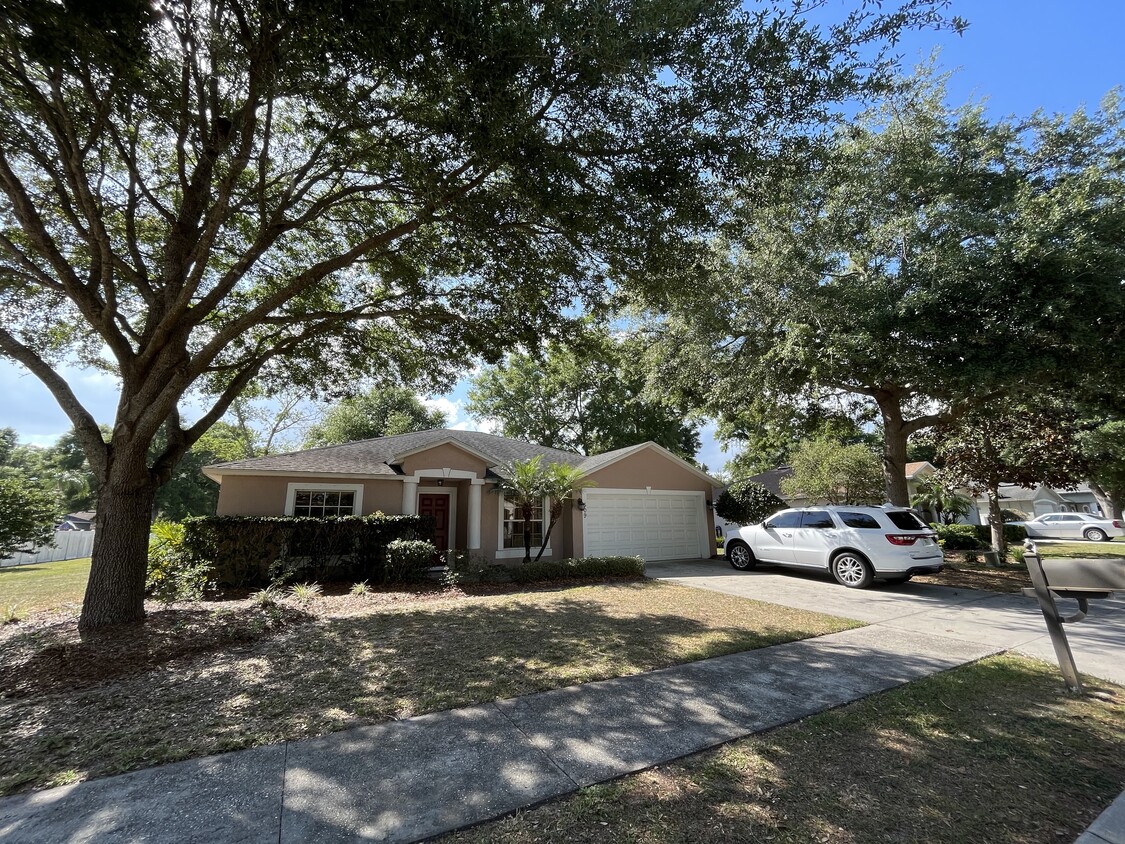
996	751
206	678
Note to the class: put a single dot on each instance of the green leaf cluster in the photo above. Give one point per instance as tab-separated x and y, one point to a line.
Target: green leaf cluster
28	512
747	502
826	472
586	394
379	412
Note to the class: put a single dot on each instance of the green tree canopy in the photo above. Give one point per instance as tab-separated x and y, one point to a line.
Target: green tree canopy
586	395
933	263
28	512
747	502
1104	450
827	472
1028	442
198	195
379	412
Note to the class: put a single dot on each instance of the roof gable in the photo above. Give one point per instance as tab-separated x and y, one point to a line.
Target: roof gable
597	462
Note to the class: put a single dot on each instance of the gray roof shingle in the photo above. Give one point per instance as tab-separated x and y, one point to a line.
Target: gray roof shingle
374	457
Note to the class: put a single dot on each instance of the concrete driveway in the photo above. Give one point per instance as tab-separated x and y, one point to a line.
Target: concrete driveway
985	618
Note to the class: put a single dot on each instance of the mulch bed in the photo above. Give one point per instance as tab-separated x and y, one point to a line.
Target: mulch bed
957	573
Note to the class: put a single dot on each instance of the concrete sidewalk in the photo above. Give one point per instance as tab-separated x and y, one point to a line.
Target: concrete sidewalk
411	779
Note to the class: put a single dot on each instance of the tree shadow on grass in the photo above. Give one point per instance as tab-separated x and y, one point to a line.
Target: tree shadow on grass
313	678
996	751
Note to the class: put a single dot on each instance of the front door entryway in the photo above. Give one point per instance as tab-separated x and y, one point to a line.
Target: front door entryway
436	505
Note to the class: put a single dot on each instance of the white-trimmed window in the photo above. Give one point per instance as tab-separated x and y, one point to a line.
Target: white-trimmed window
512	526
321	500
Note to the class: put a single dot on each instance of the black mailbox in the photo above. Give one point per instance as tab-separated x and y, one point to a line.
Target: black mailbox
1082	580
1093	576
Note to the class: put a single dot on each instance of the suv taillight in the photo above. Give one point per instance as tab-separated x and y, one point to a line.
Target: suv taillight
902	538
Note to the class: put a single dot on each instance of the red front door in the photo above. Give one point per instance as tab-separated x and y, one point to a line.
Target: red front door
437	506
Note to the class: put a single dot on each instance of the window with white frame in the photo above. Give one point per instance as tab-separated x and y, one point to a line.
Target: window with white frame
321	503
512	527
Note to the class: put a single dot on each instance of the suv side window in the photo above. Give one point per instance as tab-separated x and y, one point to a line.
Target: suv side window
784	520
817	519
858	520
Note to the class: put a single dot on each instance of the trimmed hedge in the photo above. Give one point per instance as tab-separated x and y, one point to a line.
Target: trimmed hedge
975	537
259	550
1012	533
958	537
583	567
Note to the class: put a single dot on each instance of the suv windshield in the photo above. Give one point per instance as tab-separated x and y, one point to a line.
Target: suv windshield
906	520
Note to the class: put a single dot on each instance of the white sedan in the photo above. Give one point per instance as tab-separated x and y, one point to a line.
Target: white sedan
1073	526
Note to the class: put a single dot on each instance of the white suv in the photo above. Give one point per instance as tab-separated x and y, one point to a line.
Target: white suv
857	544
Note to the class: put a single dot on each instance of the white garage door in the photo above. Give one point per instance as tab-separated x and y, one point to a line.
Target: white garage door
656	526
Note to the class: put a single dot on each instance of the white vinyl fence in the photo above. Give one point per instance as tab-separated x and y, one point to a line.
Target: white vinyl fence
68	545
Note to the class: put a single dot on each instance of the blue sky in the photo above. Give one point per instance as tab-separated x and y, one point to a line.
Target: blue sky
1019	55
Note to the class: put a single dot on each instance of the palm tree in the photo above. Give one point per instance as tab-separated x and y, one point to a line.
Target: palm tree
528	482
524	489
560	483
945	503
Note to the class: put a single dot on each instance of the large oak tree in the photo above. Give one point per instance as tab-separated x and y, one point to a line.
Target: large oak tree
934	263
200	193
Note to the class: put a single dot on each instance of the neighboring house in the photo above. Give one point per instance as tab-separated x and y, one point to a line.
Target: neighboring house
1080	500
646	500
1039	499
83	520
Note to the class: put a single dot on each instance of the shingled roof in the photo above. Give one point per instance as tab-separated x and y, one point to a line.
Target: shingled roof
379	456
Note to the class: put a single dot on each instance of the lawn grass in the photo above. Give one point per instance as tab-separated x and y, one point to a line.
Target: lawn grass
208	678
996	751
44	586
1094	550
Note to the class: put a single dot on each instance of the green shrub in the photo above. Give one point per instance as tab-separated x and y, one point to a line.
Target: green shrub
957	537
408	560
747	503
1017	553
267	598
360	588
173	574
1012	533
305	593
971	557
259	550
580	568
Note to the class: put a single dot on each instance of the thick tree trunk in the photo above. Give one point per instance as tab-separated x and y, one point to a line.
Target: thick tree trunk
996	520
115	593
1111	506
894	456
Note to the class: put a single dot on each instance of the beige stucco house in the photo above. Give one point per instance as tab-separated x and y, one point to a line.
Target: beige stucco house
646	501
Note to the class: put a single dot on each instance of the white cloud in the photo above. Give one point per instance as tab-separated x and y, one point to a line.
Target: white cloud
451	409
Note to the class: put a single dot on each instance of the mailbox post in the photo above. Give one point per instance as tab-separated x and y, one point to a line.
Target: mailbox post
1068	578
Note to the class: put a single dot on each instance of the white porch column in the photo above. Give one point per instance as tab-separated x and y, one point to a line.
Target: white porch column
474	514
410	497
